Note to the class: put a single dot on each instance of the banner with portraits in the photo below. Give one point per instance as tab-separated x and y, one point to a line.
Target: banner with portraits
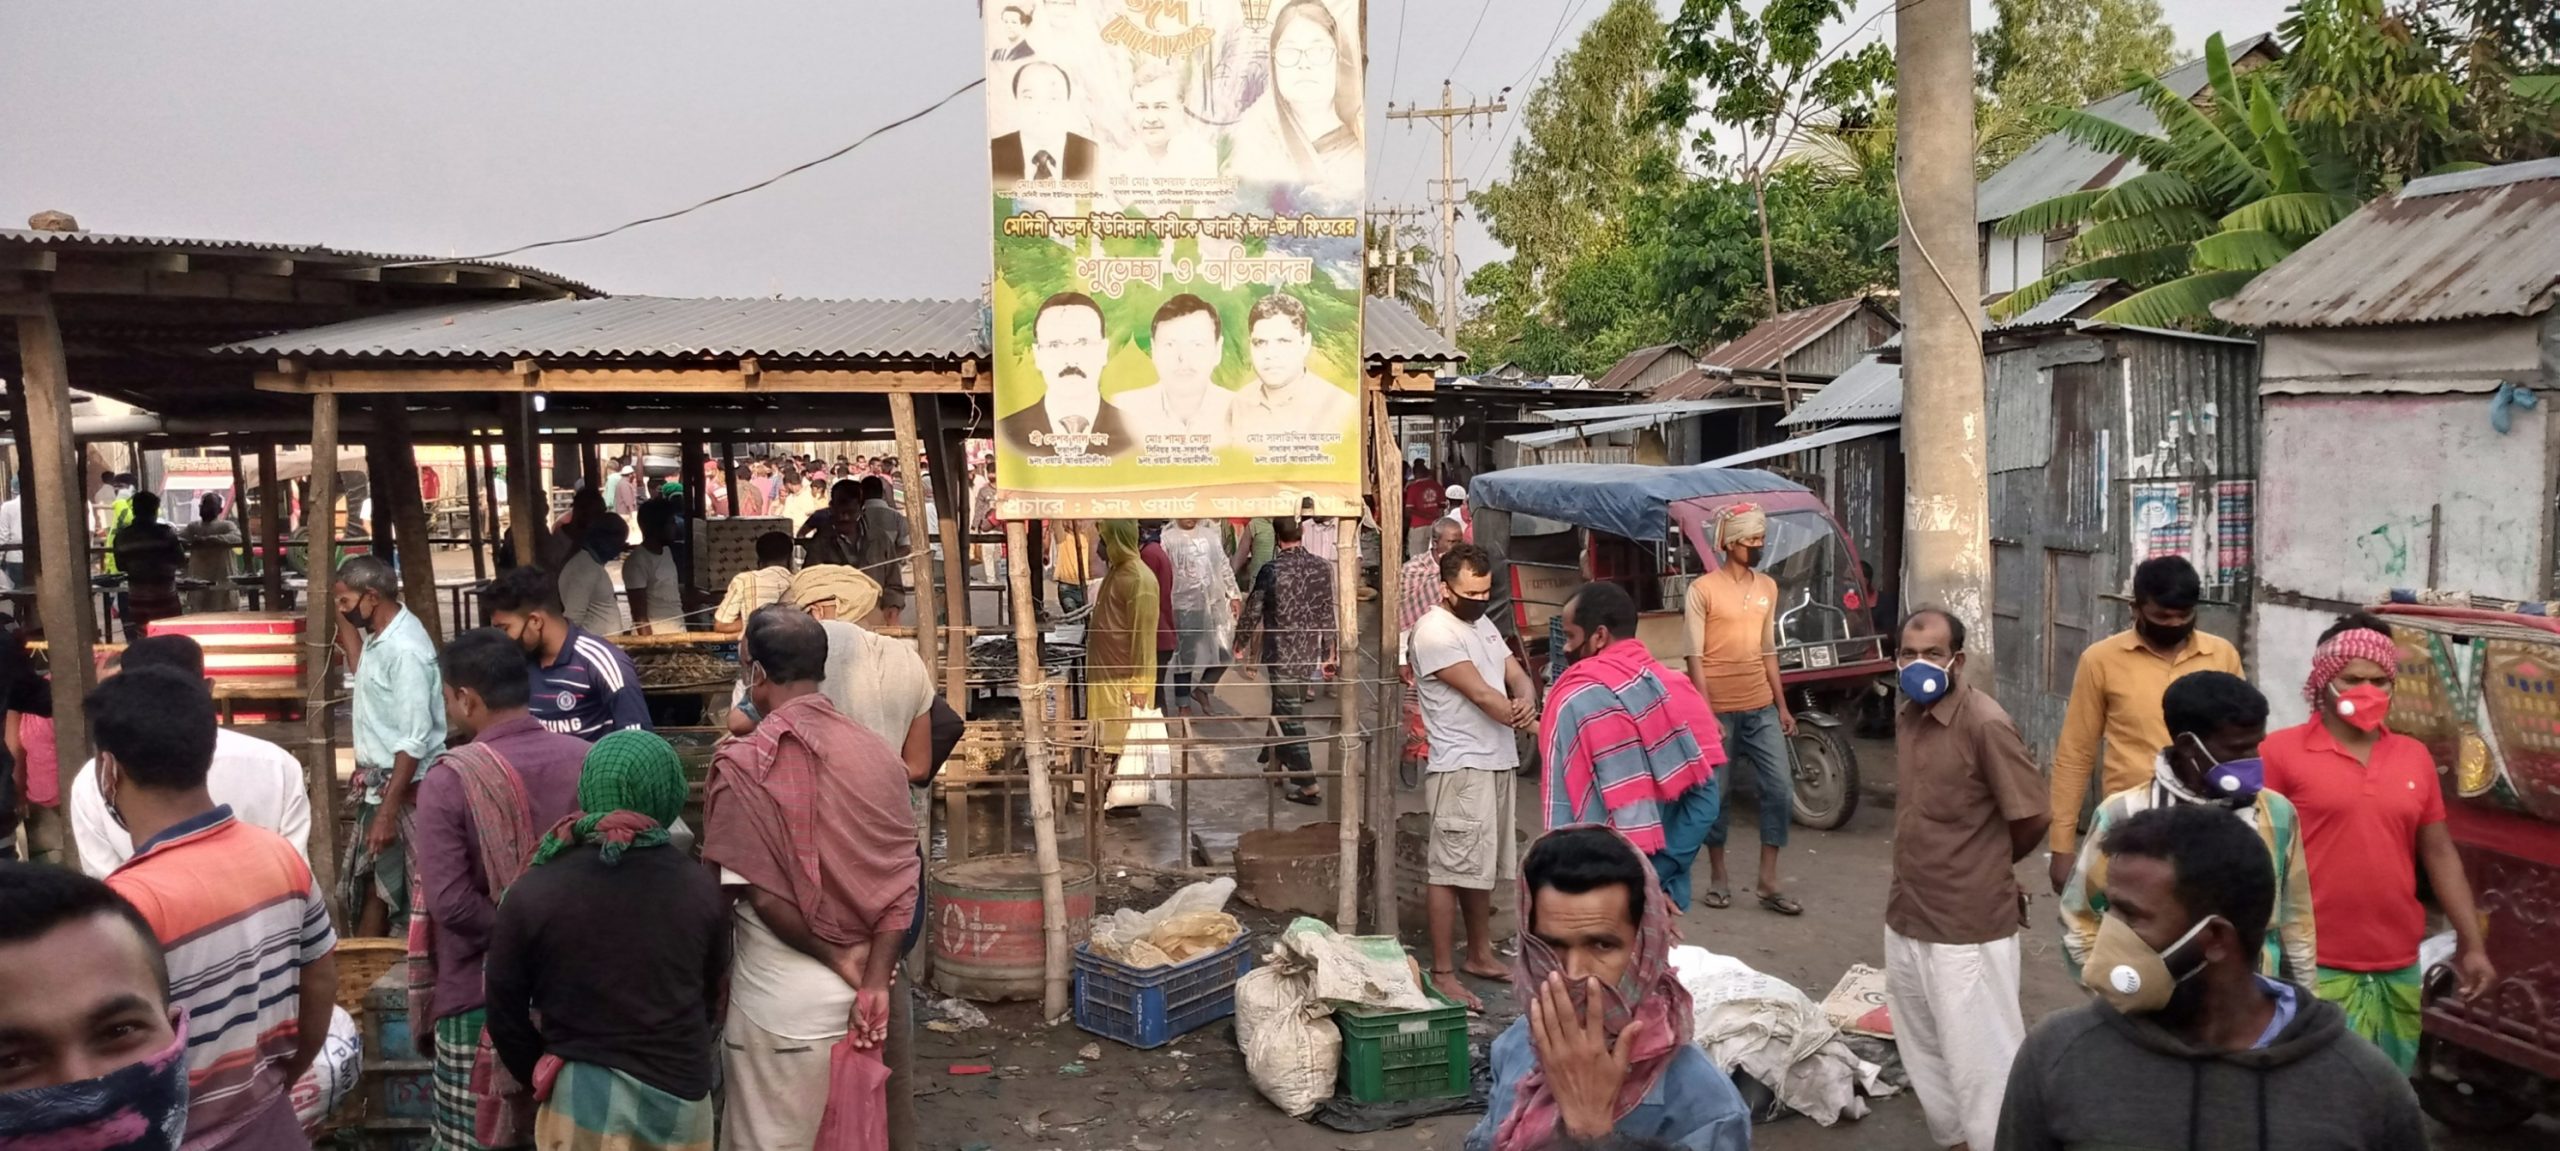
1177	256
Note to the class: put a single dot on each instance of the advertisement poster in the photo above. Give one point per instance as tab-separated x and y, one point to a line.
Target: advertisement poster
1177	189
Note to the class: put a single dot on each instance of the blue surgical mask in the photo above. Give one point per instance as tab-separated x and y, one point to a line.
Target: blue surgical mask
1925	682
2232	783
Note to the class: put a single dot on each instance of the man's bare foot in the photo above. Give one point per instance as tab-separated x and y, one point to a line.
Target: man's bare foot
1447	984
1486	969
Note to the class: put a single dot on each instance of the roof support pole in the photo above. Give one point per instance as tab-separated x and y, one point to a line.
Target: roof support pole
1379	798
951	465
320	767
1346	750
61	526
270	527
471	512
524	482
902	421
399	456
1035	754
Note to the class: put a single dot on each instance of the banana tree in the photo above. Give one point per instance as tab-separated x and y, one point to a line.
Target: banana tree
2226	190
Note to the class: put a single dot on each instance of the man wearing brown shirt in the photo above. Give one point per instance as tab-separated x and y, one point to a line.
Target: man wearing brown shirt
1971	806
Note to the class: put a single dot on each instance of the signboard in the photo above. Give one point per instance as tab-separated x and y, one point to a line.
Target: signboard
1177	189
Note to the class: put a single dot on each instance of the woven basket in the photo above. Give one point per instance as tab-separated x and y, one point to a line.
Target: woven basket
360	963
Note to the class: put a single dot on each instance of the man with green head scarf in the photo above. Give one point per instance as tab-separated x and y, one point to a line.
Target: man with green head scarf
619	946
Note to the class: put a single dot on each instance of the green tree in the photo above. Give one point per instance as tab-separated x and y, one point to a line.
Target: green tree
1829	240
2066	53
1770	79
2229	188
2402	92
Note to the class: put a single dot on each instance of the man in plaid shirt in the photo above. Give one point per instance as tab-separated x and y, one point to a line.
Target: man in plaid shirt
1291	608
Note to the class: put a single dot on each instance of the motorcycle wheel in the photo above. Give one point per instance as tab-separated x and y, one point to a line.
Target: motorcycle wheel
1826	776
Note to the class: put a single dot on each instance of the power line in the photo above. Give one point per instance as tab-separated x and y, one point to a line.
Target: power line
1471	36
1512	120
1395	58
759	185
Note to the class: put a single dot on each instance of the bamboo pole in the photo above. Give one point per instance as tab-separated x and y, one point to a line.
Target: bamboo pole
1388	747
61	529
471	514
902	422
951	462
408	502
270	527
1346	648
1035	753
321	769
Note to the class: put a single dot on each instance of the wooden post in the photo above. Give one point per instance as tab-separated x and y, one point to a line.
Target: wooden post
591	461
320	771
524	480
902	423
399	471
471	513
61	525
1387	749
1346	753
270	528
1035	753
729	473
952	464
29	558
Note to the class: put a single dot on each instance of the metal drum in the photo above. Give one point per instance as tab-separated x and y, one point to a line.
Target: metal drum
985	916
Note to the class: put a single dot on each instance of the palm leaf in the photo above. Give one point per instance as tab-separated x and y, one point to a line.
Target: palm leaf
2228	107
2166	226
2066	210
2538	87
2185	300
2242	250
2294	215
2107	136
2200	148
2141	269
2146	193
2285	168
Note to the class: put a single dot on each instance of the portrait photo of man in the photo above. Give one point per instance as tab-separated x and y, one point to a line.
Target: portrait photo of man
1012	21
1186	341
1069	420
1285	397
1041	146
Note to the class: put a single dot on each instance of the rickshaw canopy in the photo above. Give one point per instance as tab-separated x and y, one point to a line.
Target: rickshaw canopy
1632	501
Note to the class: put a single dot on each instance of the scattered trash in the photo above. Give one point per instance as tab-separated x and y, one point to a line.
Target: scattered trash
972	1069
1767	1028
1072	1069
957	1015
1089	1051
1143	1145
1857	1004
1190	923
1154	1107
1032	1126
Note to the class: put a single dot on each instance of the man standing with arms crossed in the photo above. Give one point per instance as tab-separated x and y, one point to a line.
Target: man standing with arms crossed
1972	807
2116	693
1474	695
1733	658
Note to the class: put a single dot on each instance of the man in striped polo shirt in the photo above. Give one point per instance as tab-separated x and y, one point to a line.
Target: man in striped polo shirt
247	933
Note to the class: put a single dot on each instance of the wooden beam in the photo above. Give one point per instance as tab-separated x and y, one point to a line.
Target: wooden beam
426	274
524	482
270	527
1035	748
620	381
28	260
399	454
951	462
247	265
362	274
491	278
62	530
471	514
320	767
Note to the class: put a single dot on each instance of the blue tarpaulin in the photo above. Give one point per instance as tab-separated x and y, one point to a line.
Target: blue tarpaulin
1629	500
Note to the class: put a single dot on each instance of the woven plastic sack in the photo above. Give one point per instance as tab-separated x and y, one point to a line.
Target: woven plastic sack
1291	1050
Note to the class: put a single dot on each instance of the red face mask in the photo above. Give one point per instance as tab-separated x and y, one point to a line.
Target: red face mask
2363	706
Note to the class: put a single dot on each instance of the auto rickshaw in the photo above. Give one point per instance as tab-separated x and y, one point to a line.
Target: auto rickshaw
2478	687
1647	529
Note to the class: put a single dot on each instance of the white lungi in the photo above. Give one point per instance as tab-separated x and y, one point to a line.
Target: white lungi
1957	1022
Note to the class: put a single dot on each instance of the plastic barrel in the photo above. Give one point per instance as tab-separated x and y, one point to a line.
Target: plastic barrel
985	917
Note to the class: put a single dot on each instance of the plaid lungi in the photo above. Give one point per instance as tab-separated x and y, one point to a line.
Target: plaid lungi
594	1108
2383	1006
457	1106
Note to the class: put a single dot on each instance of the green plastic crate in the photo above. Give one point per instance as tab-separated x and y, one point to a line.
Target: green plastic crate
1393	1055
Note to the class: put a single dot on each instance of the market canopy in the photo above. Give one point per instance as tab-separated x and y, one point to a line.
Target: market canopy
1629	500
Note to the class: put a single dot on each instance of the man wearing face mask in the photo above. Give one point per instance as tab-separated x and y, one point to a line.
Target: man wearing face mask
1624	740
1474	695
2216	722
92	1044
1972	806
2187	1045
1733	659
398	701
582	684
2371	812
2115	697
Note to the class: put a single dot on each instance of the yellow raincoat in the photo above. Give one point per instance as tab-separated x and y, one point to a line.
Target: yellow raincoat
1120	638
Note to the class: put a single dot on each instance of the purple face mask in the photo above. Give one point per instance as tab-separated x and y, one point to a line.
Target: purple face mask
138	1107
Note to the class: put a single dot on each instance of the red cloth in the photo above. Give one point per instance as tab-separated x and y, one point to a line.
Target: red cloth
1621	724
813	808
2333	657
857	1114
2360	826
1423	503
44	772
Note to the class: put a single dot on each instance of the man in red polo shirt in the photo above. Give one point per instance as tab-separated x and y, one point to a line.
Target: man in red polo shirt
2371	810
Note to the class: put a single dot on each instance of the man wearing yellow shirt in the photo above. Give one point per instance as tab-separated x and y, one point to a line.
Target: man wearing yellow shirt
2115	696
1733	658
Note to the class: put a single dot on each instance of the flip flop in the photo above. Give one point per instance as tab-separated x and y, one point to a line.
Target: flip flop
1304	795
1778	902
1716	897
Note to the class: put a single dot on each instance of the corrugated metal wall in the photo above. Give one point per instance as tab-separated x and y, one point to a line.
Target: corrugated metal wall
1837	350
2105	447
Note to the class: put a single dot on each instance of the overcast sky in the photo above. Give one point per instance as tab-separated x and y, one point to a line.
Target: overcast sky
463	126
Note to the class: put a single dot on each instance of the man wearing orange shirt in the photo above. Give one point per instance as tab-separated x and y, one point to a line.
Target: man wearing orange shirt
1733	658
2115	695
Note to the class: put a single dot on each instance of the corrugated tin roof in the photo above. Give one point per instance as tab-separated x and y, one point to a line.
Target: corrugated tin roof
782	329
2453	247
1870	390
651	326
1641	418
2065	303
113	241
1824	438
1657	408
1622	375
1698	383
1772	340
2057	164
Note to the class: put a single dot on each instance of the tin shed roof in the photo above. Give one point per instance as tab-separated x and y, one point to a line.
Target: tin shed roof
1870	390
1772	340
314	253
1622	375
2458	246
2057	163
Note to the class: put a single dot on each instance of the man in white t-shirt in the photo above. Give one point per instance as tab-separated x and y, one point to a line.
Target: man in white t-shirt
587	597
749	590
1474	695
649	574
260	782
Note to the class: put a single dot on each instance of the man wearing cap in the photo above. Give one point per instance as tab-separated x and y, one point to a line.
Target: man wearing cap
1457	501
1733	658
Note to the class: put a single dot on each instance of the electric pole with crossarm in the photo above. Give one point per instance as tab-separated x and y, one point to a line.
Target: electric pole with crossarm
1449	190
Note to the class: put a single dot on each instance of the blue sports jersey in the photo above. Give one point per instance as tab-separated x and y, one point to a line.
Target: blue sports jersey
591	691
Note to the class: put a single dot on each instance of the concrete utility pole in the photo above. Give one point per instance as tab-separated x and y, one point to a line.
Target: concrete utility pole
1394	255
1449	190
1947	506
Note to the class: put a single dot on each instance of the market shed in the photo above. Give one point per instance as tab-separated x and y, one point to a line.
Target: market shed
2412	352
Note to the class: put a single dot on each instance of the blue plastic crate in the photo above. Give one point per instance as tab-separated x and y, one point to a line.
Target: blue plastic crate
1150	1007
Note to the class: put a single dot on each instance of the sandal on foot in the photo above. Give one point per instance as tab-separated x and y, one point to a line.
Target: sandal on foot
1305	795
1716	897
1778	902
